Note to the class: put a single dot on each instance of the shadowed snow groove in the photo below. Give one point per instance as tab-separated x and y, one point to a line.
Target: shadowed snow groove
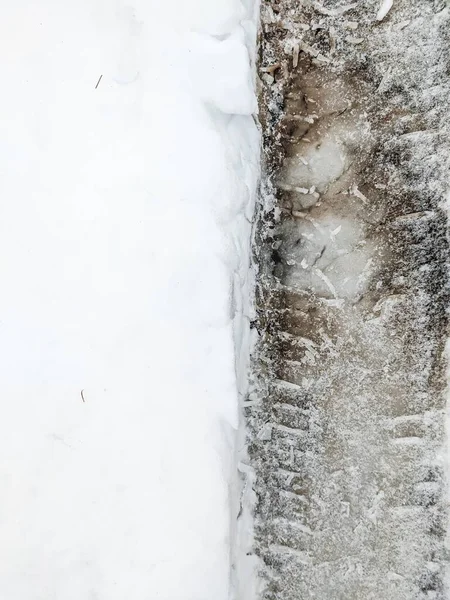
346	415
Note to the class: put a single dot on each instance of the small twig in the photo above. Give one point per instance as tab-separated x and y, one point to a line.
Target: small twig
98	82
82	395
333	12
354	191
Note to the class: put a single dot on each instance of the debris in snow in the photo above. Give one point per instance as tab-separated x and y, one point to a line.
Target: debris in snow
307	49
250	403
271	68
366	270
294	525
98	82
270	15
336	231
287	25
266	433
292	188
403	24
385	7
268	78
395	576
333	12
354	191
291	456
415	216
320	59
290	430
299	555
354	40
327	282
310	345
287	385
382	87
290	475
295	54
332	35
374	511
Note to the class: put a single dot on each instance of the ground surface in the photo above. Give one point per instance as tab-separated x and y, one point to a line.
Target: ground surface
347	413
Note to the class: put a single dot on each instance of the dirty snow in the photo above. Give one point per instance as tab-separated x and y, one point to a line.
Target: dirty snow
347	414
129	165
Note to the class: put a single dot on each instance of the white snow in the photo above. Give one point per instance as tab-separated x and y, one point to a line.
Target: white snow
125	225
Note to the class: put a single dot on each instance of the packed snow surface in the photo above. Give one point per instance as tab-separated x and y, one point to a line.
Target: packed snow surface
129	161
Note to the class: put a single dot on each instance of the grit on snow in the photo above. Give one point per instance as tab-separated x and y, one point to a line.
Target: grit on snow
129	161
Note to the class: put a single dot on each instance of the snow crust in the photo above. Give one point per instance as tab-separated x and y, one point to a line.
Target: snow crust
129	161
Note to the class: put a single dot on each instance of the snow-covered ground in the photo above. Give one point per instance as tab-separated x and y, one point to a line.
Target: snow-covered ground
129	159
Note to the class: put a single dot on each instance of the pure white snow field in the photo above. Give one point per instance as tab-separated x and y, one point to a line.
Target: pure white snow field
129	161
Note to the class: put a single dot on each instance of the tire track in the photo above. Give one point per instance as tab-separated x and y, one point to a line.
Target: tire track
347	439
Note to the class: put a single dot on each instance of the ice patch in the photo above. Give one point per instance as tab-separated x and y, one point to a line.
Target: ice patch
325	162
